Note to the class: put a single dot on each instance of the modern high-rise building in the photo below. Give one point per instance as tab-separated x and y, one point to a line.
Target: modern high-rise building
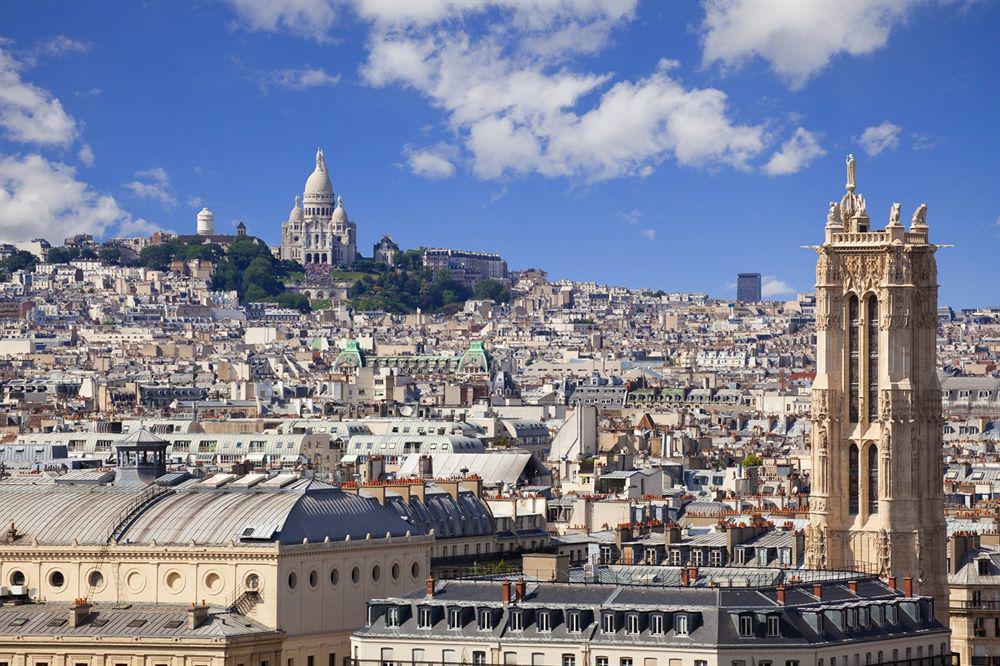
748	287
876	499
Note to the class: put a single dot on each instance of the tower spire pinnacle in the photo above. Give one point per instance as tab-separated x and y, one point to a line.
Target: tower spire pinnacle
320	160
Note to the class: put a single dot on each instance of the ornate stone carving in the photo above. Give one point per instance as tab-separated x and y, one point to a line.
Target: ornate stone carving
833	215
883	548
863	272
816	546
894	214
885	453
919	216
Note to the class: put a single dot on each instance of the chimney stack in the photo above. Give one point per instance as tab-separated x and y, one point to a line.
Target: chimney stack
891	582
908	586
505	587
196	615
79	612
693	576
818	591
684	577
519	589
780	592
430	586
853	585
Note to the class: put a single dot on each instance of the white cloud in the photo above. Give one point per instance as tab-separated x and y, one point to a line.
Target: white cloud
153	184
44	199
57	46
195	202
878	138
496	196
771	286
311	19
86	155
798	39
796	153
648	234
434	163
633	216
29	114
297	79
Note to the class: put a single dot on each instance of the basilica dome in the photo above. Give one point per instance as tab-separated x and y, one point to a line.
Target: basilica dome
318	184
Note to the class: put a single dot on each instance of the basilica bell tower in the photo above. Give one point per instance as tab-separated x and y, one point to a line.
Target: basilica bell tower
876	501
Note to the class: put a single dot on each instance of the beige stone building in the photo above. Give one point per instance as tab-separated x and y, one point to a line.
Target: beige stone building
974	582
289	555
876	497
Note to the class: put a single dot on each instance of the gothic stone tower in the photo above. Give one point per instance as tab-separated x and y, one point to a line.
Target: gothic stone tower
876	498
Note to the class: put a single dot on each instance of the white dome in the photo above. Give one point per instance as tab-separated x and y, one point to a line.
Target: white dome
296	214
339	214
318	182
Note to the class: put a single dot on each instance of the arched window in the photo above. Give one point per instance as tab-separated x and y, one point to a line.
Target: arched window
852	479
872	369
872	479
853	370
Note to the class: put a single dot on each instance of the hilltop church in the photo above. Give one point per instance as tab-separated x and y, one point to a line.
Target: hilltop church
318	232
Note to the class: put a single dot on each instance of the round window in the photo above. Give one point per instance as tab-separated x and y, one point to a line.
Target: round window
395	570
213	582
415	570
355	575
95	579
293	580
313	578
175	581
17	577
334	576
56	579
252	582
376	573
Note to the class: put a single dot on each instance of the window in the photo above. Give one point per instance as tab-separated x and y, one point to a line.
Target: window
746	626
392	617
573	621
872	369
479	658
608	623
424	618
681	624
872	478
544	621
632	623
773	625
455	618
852	479
569	660
293	580
601	661
853	372
792	662
485	619
517	621
625	661
656	624
310	661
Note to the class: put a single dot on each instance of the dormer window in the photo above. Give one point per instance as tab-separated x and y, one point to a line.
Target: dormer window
573	622
656	624
773	626
632	623
517	621
608	623
681	624
455	618
746	626
424	618
392	617
485	619
545	621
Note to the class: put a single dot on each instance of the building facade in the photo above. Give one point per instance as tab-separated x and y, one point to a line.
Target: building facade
876	498
318	231
467	267
748	287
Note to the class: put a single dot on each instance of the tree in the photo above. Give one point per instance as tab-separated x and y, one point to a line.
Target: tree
752	460
294	300
261	274
159	256
491	290
59	255
17	261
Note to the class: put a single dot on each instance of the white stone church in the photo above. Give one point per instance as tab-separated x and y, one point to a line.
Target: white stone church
318	231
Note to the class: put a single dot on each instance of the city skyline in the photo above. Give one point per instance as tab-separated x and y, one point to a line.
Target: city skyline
726	150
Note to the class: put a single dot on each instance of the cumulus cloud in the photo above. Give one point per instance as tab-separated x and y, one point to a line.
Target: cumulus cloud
434	163
648	234
86	155
297	79
44	199
29	114
633	216
795	154
771	287
797	39
311	19
153	184
57	46
878	138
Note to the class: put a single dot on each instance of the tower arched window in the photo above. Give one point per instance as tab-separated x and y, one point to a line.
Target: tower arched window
872	369
853	369
852	479
872	479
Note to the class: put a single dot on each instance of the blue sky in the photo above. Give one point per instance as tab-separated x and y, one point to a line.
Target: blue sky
664	145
